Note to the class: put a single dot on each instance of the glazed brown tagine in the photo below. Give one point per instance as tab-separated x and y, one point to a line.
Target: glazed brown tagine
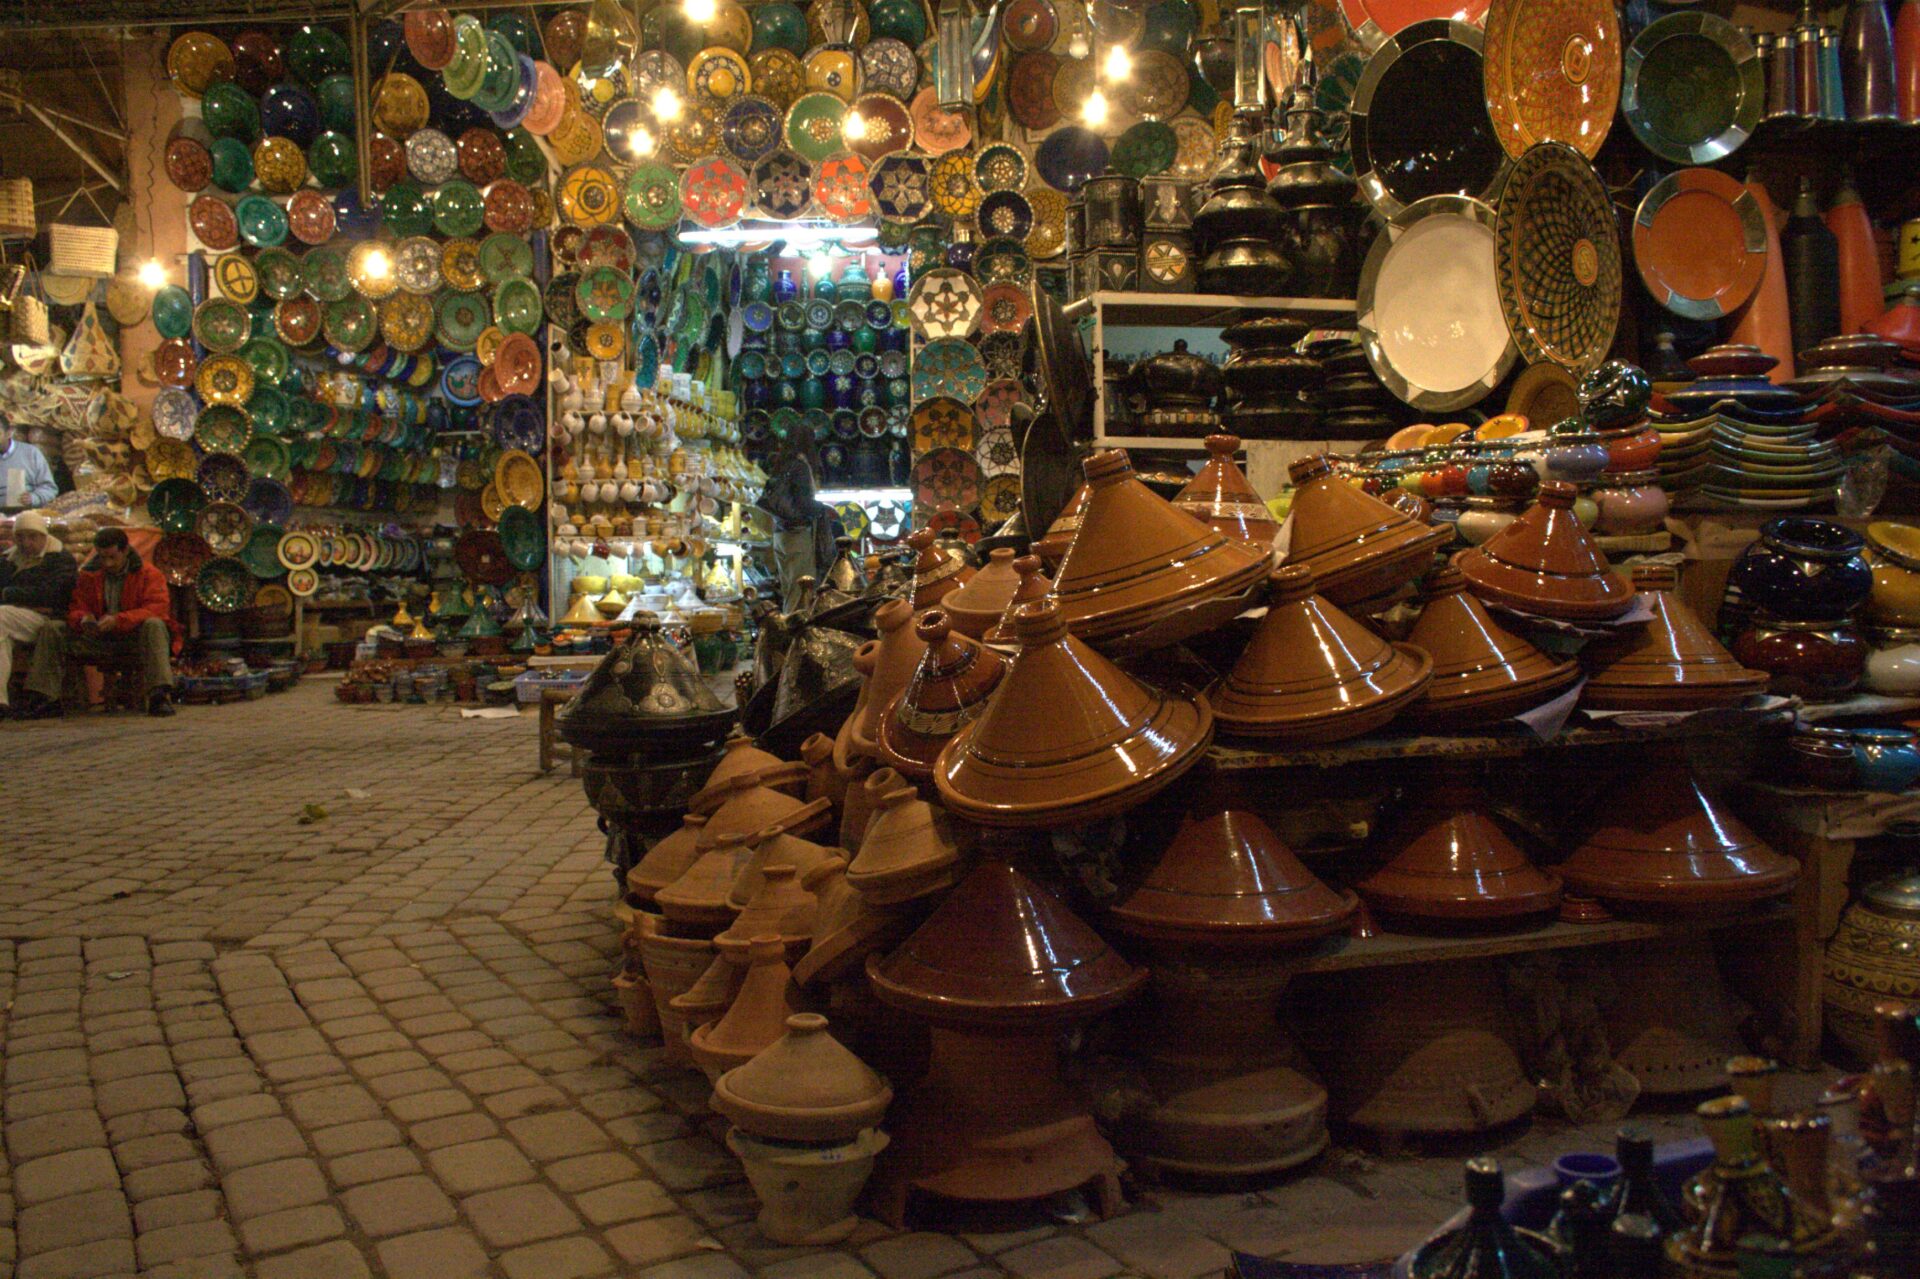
1069	737
1547	564
1222	495
936	573
1139	564
998	969
947	691
887	663
1660	841
1313	674
1034	584
1052	548
1482	672
1218	1089
1359	548
1448	863
1672	663
978	605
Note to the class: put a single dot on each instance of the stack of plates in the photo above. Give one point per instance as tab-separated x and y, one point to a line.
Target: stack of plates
1774	466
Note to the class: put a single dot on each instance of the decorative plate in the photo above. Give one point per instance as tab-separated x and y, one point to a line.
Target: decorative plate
1429	308
310	217
173	504
714	192
221	325
832	70
1693	87
1005	215
783	185
1030	24
223	477
951	367
814	126
370	270
946	476
778	76
178	555
1002	261
223	429
588	197
459	320
885	126
1700	243
1030	91
1049	234
279	166
1552	72
941	424
1559	258
431	158
1158	87
297	321
458	209
1431	70
416	264
652	198
1068	157
350	323
718	74
955	192
604	294
268	457
902	188
1373	21
1005	308
840	187
516	305
511	209
262	223
1000	498
224	525
889	66
519	481
224	379
1000	167
174	413
172	460
298	549
1146	148
213	222
505	257
938	130
997	452
751	128
224	585
482	156
944	303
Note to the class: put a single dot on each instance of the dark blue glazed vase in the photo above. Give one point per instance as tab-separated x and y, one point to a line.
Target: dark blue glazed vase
1804	569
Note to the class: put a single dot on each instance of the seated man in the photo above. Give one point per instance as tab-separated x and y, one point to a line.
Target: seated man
36	581
25	477
120	606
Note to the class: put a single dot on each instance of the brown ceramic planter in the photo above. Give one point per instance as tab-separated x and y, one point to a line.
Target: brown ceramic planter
1139	560
1448	862
1482	672
947	691
978	605
1034	584
1223	497
1546	563
1069	737
1358	547
1313	674
936	574
1673	663
804	1087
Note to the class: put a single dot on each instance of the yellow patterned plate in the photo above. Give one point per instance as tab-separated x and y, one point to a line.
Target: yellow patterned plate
589	197
399	104
370	268
171	459
487	345
279	165
1049	234
834	71
779	76
518	478
234	276
224	379
577	138
1194	142
606	341
956	192
718	75
406	321
491	503
460	265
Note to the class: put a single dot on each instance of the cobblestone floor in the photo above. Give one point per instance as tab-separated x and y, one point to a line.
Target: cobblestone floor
383	1043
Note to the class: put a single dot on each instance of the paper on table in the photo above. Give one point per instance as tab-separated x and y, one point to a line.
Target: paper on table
1658	719
1547	719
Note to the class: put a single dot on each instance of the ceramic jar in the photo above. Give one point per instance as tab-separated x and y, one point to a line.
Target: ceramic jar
1804	569
1895	598
807	1192
1893	665
1176	388
1817	660
1820	762
1885	759
1482	518
1579	458
1874	956
1625	512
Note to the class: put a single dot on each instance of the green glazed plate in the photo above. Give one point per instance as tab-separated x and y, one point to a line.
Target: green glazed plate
270	409
331	159
232	165
222	326
261	554
523	537
268	356
526	163
224	585
405	210
350	323
174	504
173	312
280	274
1148	147
461	319
263	224
267	456
516	305
458	210
227	431
604	294
505	257
326	274
652	196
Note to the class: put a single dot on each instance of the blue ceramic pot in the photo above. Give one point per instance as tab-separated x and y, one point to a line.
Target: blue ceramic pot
1804	569
1885	759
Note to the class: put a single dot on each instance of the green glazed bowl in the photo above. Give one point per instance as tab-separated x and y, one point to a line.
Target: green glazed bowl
229	111
335	96
780	25
331	159
405	210
458	209
232	165
173	312
263	224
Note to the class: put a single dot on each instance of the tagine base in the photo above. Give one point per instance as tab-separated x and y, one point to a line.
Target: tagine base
965	1132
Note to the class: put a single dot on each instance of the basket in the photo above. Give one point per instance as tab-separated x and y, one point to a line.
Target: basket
16	207
28	323
84	250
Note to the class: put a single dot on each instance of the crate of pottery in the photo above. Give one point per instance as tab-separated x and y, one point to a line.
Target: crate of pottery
528	685
223	688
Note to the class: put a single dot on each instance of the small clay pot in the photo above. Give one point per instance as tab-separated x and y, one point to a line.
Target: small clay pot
807	1192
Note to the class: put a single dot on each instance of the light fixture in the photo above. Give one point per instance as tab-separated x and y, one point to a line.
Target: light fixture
795	236
640	141
820	265
701	12
153	275
853	127
1093	112
863	496
1119	64
666	104
378	265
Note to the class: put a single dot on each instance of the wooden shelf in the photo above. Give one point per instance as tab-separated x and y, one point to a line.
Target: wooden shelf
1345	954
1203	310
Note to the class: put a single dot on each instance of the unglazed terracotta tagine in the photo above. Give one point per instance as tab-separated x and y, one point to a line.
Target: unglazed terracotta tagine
698	898
975	607
1222	495
947	691
997	969
756	1017
823	781
887	663
1313	674
846	928
747	808
936	573
1449	863
805	1087
1672	663
667	860
1547	564
1052	548
1139	563
1482	672
779	907
1663	842
1069	737
1034	584
744	759
1358	547
910	848
775	846
1671	1046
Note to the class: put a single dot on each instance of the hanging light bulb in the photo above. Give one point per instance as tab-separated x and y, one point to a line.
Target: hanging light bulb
1093	112
153	275
1119	64
378	265
666	104
640	141
853	127
819	265
701	12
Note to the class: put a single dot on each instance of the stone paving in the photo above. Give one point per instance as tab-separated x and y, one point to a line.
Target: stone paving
382	1041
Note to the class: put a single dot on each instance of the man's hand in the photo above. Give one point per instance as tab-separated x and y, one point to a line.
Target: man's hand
109	623
89	623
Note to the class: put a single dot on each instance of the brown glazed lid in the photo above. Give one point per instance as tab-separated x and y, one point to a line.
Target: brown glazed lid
1358	547
1222	495
936	574
979	604
1069	737
1052	548
845	928
744	759
1545	562
1138	559
756	1017
773	845
1034	584
1447	860
749	808
1312	674
908	849
887	663
948	691
667	860
1663	840
1671	663
1003	951
1227	880
1482	672
805	1087
699	896
779	907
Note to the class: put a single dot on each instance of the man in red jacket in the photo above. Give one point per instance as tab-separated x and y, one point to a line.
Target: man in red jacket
120	605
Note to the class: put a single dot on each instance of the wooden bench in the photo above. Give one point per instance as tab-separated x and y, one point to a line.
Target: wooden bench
551	700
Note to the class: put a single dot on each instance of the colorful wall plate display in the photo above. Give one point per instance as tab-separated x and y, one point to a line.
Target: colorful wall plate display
1693	88
1430	70
1700	243
1559	262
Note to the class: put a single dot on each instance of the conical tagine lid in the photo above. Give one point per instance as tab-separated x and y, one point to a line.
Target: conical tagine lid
645	695
1034	584
667	860
744	759
746	808
1313	674
1222	496
1661	839
887	663
948	691
1672	663
1228	880
909	847
1138	559
776	844
1358	547
1068	737
756	1017
978	605
1447	860
805	1087
1052	548
1546	563
936	574
1003	951
1482	672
